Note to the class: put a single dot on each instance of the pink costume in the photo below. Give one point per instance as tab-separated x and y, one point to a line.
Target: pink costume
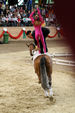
38	31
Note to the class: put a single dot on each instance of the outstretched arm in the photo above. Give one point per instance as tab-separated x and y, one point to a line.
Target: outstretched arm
41	18
31	17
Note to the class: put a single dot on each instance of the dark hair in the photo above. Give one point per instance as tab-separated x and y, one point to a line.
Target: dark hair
28	32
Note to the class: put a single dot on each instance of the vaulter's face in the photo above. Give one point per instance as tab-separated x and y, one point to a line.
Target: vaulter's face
29	35
36	17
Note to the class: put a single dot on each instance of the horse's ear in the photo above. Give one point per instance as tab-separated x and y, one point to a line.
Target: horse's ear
27	44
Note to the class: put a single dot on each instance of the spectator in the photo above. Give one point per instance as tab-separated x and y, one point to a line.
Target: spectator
43	12
19	20
24	14
28	14
0	8
3	20
19	15
3	6
21	11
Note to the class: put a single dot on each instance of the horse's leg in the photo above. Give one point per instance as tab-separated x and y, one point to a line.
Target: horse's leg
46	93
50	92
39	78
37	70
38	73
49	72
50	84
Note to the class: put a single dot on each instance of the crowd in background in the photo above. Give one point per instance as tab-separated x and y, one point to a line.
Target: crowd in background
19	16
14	16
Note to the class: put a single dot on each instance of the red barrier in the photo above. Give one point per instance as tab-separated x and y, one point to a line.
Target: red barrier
16	37
2	34
53	35
21	32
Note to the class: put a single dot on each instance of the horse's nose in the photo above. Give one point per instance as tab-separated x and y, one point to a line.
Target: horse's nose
31	54
49	83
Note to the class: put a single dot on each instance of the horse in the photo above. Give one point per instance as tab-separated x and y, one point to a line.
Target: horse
43	69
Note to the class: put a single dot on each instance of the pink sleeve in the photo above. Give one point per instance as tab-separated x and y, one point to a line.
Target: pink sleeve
31	17
41	19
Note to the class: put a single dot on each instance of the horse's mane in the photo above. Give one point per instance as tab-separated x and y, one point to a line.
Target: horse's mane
33	45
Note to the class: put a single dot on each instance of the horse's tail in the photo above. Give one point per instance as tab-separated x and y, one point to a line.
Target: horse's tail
43	74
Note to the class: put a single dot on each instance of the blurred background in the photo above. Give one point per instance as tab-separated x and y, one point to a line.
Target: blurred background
16	13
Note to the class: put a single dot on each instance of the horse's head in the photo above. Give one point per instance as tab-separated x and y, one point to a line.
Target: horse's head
31	47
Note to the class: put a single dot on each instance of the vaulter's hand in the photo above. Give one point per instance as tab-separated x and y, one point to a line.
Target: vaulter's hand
34	9
37	49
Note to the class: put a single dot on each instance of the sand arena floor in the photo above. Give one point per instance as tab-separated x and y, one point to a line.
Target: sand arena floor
19	88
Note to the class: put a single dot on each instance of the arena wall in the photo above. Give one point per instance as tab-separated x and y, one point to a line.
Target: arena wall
16	30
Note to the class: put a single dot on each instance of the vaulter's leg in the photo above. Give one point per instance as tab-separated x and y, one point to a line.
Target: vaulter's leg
43	42
37	39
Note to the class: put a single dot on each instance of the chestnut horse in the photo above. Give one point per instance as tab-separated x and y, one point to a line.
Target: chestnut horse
43	69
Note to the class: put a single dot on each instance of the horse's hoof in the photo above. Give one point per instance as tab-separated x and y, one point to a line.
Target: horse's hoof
51	98
31	58
39	82
46	96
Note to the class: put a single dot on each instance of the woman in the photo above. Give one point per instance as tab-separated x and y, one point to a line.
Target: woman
37	22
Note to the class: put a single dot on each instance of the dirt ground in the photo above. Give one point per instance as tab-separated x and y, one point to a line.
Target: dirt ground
19	88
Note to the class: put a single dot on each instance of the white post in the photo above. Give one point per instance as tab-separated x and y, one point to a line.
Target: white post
5	29
24	29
